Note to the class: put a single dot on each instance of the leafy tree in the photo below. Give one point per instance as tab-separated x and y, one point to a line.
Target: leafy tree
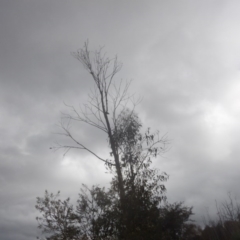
132	207
107	110
97	216
175	221
96	212
94	216
58	217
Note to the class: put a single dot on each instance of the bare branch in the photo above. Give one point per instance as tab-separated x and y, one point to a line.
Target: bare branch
67	133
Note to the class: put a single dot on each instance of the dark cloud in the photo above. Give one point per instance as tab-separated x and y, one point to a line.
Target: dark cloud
184	60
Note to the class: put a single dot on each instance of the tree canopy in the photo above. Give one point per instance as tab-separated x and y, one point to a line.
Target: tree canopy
134	206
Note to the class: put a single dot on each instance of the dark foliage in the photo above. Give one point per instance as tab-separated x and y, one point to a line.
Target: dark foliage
134	207
98	216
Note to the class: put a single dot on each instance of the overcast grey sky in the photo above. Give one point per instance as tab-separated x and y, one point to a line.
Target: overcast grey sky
184	59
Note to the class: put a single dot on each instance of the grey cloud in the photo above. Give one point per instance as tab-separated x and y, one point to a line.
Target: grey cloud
184	60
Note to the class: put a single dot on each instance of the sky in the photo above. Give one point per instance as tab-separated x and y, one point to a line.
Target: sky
183	58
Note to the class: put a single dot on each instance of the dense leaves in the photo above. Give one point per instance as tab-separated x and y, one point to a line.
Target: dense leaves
98	215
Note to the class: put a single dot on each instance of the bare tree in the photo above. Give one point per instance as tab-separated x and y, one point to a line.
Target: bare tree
227	226
108	111
228	210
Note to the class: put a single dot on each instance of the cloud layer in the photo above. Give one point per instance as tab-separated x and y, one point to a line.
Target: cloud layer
184	59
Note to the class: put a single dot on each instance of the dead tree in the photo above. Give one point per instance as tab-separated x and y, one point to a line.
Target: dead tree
108	103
